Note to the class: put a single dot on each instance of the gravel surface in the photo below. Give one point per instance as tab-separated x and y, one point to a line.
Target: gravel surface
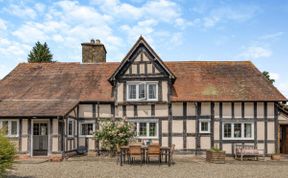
183	168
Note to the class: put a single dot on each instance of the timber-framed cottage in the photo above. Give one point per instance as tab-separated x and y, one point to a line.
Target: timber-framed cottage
51	109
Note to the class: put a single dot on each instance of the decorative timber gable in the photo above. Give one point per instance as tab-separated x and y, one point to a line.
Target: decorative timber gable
141	63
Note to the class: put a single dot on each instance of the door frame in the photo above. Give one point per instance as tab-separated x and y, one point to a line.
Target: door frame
32	134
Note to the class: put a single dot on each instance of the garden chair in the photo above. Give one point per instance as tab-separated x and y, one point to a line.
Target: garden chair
134	153
154	151
118	154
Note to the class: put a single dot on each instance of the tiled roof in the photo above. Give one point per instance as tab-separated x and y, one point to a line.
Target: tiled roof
195	81
59	81
221	81
36	108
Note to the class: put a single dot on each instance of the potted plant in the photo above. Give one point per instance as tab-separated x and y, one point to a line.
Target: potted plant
215	155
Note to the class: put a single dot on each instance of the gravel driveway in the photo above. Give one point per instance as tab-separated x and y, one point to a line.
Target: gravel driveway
183	168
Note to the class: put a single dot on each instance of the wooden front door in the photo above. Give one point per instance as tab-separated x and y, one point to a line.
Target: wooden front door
40	139
284	139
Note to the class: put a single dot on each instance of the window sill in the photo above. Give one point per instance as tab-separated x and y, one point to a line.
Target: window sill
86	136
12	136
204	132
147	137
233	139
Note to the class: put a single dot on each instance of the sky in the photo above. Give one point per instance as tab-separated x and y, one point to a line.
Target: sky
178	30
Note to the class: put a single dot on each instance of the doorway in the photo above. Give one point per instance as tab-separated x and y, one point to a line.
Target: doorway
40	138
284	139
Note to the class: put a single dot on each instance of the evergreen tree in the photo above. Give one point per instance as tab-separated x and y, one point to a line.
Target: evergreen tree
267	75
40	53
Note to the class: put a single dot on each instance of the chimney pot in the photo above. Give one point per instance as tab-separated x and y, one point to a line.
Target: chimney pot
92	41
98	41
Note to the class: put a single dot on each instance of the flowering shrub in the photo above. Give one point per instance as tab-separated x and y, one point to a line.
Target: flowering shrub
7	153
113	134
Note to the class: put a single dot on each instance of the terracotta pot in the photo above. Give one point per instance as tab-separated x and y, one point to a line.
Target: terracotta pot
275	157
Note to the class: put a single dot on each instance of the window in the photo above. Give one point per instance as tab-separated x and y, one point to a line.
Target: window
227	130
204	126
142	91
147	129
139	91
86	128
238	131
70	128
132	91
10	127
142	129
152	91
247	130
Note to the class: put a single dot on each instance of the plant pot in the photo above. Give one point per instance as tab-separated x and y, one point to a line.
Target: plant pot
275	157
215	157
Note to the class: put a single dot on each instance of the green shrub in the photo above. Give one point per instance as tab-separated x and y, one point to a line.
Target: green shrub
113	134
7	153
215	149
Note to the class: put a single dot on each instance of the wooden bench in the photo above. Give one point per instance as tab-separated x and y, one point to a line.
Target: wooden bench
248	150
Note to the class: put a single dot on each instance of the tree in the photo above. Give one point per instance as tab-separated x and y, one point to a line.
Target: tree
267	75
7	153
40	53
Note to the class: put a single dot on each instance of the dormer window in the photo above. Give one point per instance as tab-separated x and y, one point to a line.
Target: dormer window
142	91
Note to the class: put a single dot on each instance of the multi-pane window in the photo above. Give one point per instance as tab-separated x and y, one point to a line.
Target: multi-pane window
204	126
86	129
152	129
132	91
238	131
139	91
142	91
70	127
147	129
142	129
9	127
152	91
227	130
248	130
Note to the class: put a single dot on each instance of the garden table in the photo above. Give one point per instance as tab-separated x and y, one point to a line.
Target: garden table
165	151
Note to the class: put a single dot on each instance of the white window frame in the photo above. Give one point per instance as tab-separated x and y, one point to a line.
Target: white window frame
242	131
70	135
86	122
204	120
148	94
137	122
10	127
137	84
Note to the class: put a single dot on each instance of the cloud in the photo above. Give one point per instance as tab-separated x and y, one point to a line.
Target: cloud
223	14
72	22
20	11
145	27
3	25
160	10
3	71
271	36
282	86
13	50
254	52
274	76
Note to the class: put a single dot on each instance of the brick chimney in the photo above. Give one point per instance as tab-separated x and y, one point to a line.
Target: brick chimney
93	52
